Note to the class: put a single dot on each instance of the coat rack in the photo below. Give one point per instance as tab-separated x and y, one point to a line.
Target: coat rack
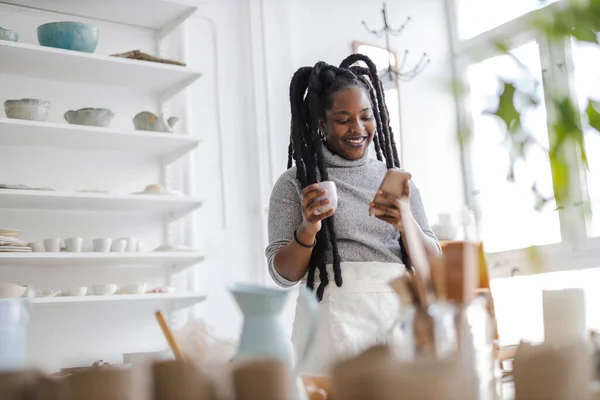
399	72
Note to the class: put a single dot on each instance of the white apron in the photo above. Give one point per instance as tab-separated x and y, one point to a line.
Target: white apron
351	318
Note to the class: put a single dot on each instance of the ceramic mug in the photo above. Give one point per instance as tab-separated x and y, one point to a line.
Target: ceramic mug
119	245
52	245
331	195
102	245
74	244
37	247
132	245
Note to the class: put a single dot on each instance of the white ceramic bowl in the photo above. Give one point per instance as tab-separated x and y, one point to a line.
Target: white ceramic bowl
48	293
444	232
90	116
138	288
76	291
29	109
105	290
11	290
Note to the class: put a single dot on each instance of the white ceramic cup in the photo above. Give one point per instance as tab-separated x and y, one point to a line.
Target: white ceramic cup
105	290
132	245
37	247
102	245
52	245
119	245
76	291
74	244
331	195
136	288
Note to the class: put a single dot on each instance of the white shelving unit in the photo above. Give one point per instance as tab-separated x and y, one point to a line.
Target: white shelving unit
173	261
162	83
174	301
159	15
66	65
98	202
15	132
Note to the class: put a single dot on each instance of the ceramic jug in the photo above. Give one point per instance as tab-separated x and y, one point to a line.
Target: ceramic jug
263	332
14	318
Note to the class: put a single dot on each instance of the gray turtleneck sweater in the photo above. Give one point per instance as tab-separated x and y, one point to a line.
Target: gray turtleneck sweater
360	237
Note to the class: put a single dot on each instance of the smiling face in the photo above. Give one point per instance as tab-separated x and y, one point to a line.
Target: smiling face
349	125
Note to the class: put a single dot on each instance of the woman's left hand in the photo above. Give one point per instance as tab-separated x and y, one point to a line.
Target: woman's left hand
387	207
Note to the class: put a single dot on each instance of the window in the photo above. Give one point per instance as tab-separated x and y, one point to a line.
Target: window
477	16
586	78
567	239
508	218
518	302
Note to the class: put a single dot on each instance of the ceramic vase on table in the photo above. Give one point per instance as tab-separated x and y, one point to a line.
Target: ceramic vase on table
263	333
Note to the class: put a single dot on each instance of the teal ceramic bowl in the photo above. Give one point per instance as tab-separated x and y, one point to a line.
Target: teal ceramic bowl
6	34
69	36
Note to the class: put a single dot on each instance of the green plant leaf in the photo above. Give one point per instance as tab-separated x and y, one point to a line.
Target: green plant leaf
560	178
506	108
593	115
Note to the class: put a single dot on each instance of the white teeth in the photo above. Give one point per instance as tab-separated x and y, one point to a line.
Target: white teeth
356	141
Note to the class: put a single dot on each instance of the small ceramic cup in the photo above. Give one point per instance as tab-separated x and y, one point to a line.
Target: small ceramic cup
137	288
74	244
105	290
75	291
331	195
132	245
37	247
102	245
52	245
119	246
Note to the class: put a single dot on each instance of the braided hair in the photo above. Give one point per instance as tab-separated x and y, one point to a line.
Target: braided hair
311	90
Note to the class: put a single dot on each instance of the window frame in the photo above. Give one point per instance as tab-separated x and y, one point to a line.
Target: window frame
576	250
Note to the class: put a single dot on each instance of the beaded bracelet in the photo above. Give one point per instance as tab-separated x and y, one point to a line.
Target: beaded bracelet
302	244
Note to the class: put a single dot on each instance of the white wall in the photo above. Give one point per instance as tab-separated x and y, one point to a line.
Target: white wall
235	250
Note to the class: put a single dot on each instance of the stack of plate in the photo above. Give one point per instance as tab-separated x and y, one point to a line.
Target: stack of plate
10	242
23	187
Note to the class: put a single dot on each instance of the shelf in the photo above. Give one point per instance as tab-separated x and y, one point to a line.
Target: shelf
152	14
177	261
98	202
17	132
174	300
74	66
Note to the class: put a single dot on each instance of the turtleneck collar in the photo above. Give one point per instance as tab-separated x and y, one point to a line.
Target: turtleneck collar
333	160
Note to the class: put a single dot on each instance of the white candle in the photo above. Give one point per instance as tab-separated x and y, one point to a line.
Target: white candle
564	315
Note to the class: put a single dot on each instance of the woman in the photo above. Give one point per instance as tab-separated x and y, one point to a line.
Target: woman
336	114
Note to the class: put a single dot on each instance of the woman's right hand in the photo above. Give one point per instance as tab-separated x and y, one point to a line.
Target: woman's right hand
311	217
